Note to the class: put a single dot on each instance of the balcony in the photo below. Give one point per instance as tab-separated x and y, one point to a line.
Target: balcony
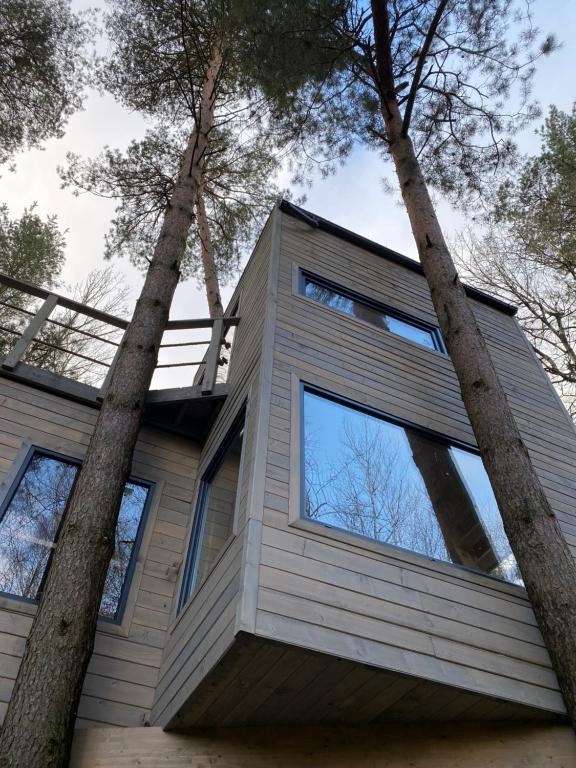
61	345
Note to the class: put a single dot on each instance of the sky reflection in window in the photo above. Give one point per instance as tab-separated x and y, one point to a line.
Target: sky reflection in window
399	486
329	296
31	522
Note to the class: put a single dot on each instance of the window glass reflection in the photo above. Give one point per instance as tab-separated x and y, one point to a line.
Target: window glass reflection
131	509
214	518
329	296
218	508
399	486
31	522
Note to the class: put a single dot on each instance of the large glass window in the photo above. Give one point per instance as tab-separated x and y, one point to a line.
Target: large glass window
363	308
214	518
30	521
395	484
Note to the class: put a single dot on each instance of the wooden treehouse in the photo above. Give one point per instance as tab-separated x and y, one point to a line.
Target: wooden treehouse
308	544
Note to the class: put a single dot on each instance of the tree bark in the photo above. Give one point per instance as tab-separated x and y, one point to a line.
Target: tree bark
542	553
211	283
38	728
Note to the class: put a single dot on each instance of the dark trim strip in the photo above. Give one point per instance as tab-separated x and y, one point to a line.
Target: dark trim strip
386	253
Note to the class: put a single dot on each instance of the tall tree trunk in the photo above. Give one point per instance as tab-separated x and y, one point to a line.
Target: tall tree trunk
38	728
208	263
547	566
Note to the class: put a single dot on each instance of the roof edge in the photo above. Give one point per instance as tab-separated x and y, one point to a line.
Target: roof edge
317	222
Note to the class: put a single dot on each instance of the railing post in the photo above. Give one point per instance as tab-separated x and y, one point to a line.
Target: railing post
212	356
19	349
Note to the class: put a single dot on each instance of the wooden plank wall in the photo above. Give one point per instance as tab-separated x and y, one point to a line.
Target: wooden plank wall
471	746
333	592
123	673
206	627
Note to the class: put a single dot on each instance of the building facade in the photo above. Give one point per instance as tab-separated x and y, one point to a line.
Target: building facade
311	556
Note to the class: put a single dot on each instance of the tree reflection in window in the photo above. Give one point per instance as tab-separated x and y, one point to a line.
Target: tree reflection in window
363	308
398	485
30	522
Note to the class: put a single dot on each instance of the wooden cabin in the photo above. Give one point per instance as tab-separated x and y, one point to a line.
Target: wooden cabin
312	569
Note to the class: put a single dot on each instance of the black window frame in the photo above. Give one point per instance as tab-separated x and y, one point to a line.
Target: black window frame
384	309
188	583
35	450
397	421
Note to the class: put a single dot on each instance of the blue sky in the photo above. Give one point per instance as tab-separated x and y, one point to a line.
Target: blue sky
354	197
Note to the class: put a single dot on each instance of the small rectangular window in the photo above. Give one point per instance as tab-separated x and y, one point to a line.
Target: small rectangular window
215	508
400	485
363	308
31	519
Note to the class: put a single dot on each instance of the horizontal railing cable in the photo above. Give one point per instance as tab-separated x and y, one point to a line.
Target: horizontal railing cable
31	334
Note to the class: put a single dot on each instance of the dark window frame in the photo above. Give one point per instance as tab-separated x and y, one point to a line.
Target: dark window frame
34	450
188	583
384	309
397	421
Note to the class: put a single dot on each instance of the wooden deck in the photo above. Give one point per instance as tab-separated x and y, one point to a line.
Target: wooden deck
188	410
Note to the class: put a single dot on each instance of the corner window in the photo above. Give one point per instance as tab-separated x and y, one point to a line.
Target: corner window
362	308
214	519
400	485
31	518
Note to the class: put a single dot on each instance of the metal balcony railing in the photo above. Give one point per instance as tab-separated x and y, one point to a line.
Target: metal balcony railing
64	336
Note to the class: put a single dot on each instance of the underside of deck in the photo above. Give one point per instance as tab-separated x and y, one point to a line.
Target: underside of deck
263	682
184	410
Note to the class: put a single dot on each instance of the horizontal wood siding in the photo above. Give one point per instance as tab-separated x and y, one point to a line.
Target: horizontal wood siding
362	601
119	687
471	745
205	629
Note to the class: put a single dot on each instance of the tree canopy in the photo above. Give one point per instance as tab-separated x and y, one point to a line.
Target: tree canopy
161	52
31	249
460	74
43	68
539	201
527	252
238	191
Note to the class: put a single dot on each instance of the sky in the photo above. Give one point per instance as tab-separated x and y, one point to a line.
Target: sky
353	198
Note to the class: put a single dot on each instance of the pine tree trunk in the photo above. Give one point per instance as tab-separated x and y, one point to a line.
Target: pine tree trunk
542	553
208	263
38	728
